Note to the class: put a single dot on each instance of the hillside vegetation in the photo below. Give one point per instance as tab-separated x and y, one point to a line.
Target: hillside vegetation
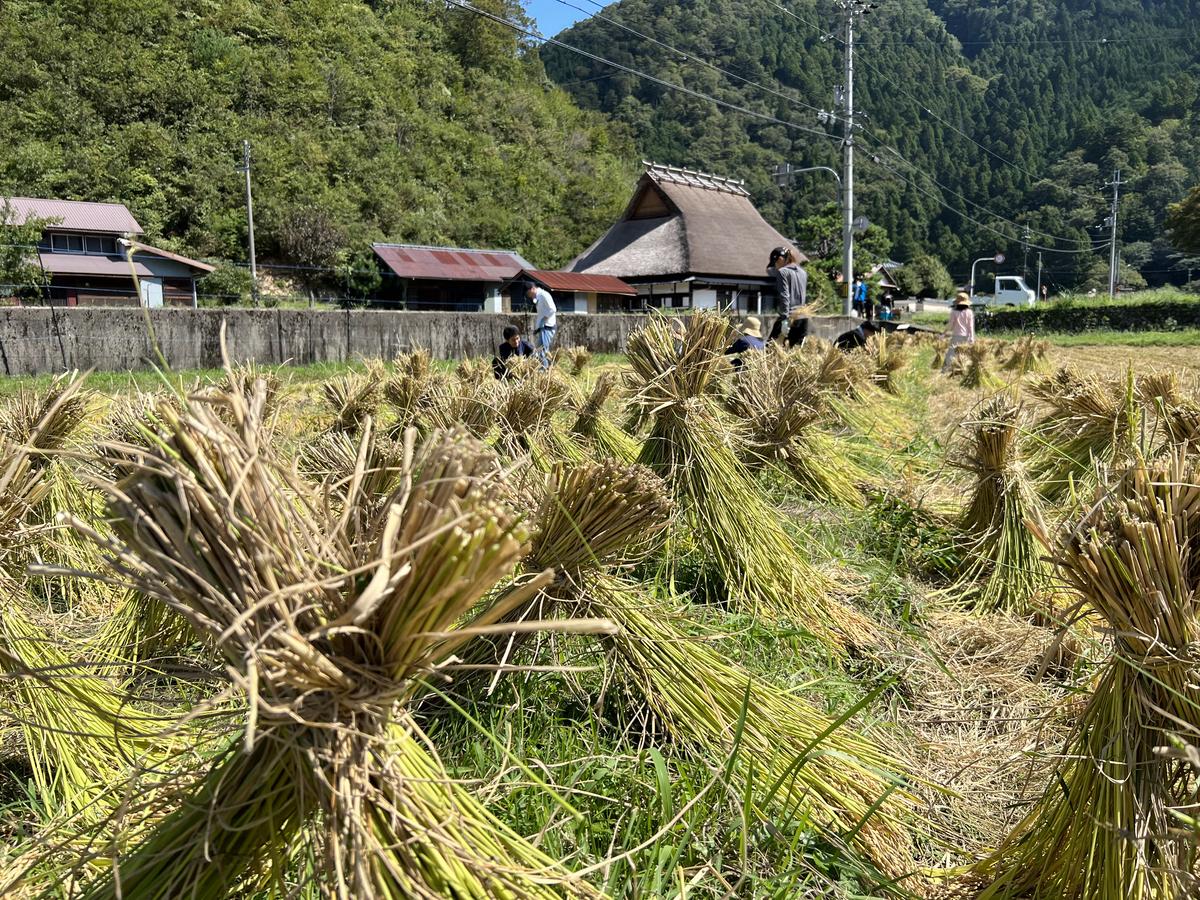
1006	110
392	119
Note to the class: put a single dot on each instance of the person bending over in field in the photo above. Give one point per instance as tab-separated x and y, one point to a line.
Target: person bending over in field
750	341
512	345
856	338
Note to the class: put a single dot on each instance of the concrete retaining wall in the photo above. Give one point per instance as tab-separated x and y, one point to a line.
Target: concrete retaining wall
36	341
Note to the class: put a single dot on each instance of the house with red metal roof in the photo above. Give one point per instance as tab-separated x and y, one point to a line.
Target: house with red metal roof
447	278
580	293
91	255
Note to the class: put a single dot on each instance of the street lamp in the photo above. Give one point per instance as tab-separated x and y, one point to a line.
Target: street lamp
997	259
784	172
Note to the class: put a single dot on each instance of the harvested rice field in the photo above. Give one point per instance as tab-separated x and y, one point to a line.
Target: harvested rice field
821	625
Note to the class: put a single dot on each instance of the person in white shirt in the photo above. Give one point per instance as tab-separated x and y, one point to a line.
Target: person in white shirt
546	324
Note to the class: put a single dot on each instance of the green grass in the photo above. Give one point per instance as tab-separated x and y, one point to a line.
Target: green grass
116	383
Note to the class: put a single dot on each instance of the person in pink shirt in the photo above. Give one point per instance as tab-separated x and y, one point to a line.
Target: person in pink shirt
960	328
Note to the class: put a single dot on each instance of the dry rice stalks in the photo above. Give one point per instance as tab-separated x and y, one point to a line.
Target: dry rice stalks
793	760
353	398
1092	423
243	378
45	421
1028	355
326	643
1108	824
1003	507
888	356
779	401
978	373
574	359
594	425
724	514
475	370
79	734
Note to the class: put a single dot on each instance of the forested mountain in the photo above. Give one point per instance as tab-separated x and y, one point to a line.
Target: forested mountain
390	119
988	109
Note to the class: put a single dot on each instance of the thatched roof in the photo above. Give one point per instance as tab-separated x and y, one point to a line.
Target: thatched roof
682	223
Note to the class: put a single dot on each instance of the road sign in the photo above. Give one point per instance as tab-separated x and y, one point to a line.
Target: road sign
862	223
999	258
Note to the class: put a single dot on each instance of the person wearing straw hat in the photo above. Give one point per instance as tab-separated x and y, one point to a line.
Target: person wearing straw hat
750	341
960	329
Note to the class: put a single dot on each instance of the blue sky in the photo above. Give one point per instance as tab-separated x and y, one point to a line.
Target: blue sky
552	16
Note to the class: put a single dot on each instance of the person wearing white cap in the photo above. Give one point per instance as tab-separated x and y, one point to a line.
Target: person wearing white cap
750	341
960	329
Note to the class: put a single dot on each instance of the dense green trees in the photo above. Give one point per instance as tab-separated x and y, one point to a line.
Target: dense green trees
924	276
394	119
985	116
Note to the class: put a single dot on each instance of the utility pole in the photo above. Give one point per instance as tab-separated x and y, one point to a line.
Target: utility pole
1025	256
245	167
1039	287
853	9
1115	184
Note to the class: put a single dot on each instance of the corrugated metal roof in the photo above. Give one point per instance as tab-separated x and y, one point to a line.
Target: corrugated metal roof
576	281
450	263
83	264
139	247
74	215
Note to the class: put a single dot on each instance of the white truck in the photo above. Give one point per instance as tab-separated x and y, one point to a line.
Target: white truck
1010	290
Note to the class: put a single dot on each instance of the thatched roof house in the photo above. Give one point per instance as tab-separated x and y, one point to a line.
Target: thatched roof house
688	239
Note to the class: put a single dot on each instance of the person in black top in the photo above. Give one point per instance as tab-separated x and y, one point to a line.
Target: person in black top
856	338
512	345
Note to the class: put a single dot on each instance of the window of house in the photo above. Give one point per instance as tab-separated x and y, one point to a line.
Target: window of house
59	243
74	243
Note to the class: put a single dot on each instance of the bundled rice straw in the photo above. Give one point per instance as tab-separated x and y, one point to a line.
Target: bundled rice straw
1092	422
49	423
1028	355
1111	823
598	516
353	398
594	425
888	357
725	515
325	643
526	414
853	401
78	733
575	359
780	403
1004	505
978	373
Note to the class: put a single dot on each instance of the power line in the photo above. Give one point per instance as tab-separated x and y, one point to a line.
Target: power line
520	29
925	109
956	130
979	206
968	217
689	57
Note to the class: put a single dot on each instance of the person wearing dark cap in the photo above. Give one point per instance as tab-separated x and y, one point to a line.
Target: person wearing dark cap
791	285
512	345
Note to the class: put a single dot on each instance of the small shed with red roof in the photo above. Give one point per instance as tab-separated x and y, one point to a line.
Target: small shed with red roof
581	293
447	278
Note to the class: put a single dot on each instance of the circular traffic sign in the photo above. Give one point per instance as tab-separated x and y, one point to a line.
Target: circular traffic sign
999	257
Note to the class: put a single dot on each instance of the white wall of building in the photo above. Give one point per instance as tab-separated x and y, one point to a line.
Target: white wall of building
152	292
